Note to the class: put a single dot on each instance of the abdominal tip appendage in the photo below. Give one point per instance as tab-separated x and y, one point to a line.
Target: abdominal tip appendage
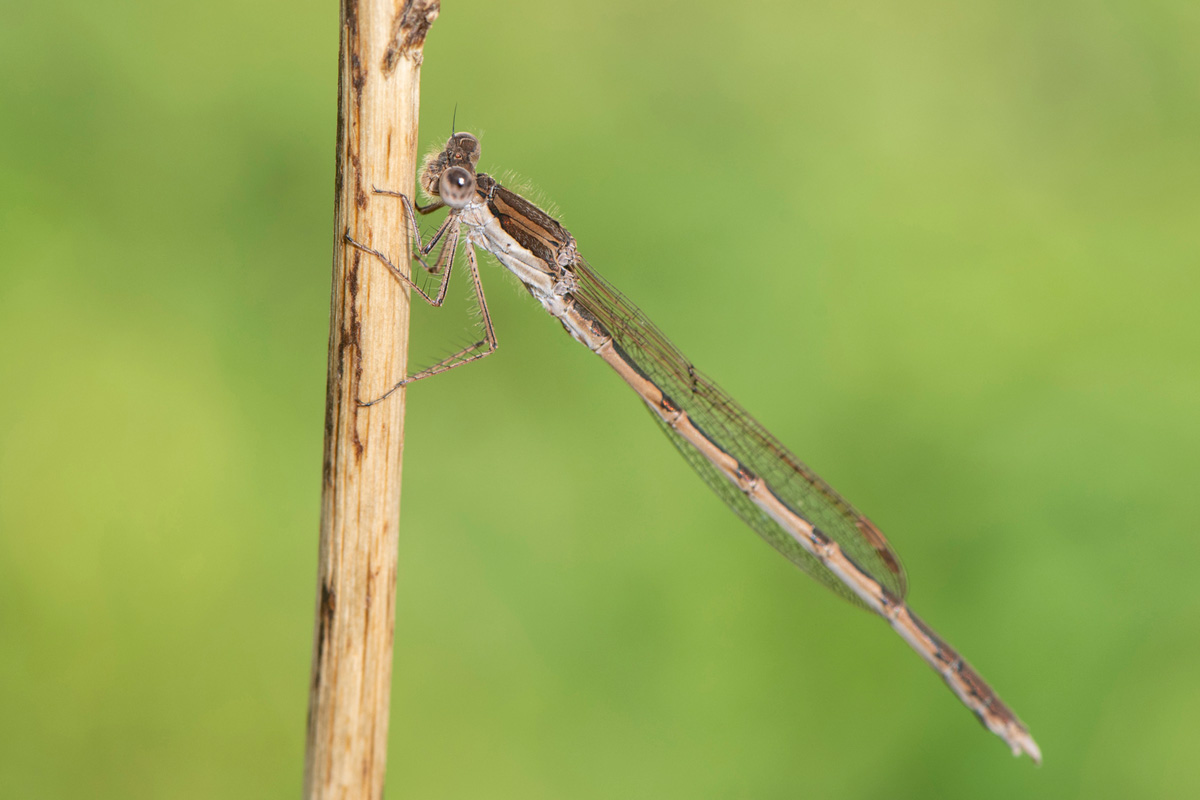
1022	742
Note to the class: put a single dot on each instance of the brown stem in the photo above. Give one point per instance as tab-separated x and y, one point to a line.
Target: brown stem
378	94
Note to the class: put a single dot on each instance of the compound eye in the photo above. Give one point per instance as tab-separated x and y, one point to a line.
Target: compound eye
466	142
464	147
456	187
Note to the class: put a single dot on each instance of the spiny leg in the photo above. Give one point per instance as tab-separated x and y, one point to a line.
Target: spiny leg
444	261
467	354
411	210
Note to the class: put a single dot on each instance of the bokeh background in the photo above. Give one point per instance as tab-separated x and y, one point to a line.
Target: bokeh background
947	251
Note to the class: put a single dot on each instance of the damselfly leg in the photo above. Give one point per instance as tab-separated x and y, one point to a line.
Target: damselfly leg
448	233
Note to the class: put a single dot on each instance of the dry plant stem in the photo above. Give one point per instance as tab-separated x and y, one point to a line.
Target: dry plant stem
378	91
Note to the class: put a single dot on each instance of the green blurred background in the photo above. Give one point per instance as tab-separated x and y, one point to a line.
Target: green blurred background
947	251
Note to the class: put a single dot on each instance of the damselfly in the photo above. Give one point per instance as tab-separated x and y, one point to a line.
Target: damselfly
768	487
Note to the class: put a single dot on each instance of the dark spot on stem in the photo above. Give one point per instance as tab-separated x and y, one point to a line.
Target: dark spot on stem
358	77
350	340
409	29
325	618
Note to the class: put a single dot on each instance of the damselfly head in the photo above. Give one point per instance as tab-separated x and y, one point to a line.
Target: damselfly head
456	186
461	150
